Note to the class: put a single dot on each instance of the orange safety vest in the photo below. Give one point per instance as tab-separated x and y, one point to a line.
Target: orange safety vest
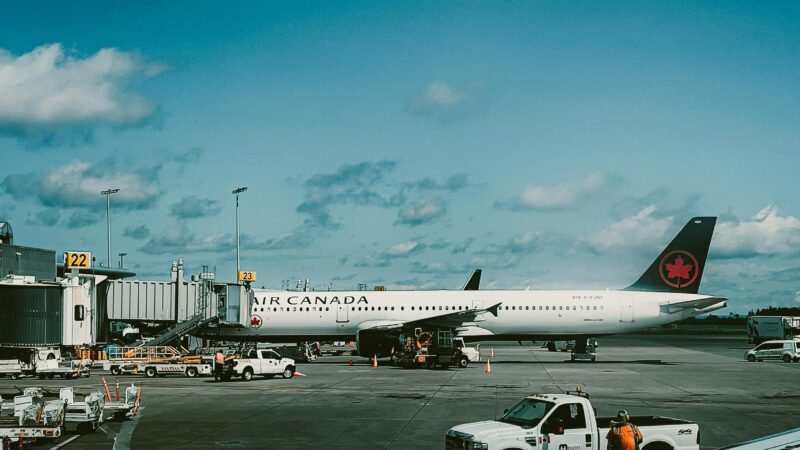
628	436
219	358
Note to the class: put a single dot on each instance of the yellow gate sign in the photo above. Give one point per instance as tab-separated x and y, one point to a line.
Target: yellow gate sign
77	260
247	277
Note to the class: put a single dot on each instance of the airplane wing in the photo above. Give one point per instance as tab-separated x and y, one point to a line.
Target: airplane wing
450	320
707	304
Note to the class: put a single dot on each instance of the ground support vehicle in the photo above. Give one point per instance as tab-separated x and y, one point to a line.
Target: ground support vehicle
466	354
156	361
127	406
44	362
301	352
258	362
87	415
784	350
30	418
337	348
566	421
428	349
766	328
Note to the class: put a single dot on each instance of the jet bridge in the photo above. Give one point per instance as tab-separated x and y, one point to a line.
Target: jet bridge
178	300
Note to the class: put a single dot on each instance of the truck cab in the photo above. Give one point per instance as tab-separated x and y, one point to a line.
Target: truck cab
565	421
266	362
466	354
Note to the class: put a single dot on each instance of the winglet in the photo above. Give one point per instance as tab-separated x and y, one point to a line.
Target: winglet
474	282
493	309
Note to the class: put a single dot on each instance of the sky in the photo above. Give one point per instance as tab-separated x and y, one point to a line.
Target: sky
555	145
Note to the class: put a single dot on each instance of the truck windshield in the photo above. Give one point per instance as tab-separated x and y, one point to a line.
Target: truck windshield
528	412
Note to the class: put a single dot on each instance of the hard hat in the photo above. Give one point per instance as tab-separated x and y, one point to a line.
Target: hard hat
622	416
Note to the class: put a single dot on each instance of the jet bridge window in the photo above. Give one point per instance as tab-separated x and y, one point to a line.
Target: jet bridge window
79	311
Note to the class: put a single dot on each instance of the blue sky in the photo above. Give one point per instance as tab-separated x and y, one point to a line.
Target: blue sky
554	145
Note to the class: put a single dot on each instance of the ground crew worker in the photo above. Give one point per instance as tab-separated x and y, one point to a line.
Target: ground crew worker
623	435
219	362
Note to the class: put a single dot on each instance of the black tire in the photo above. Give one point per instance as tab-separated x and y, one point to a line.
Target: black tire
288	372
247	375
191	372
68	376
463	362
551	346
751	358
657	446
50	376
787	358
14	376
151	372
115	370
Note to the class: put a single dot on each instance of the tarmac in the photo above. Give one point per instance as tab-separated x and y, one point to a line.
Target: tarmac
700	378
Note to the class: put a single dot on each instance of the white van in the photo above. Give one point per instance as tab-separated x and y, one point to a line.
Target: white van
785	350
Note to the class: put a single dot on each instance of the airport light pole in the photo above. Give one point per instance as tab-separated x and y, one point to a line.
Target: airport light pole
121	255
236	192
108	193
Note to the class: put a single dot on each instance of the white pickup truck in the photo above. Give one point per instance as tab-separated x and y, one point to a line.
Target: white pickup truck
263	362
565	422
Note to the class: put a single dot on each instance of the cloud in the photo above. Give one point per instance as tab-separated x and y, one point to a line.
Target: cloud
797	296
48	92
644	231
424	210
528	242
402	249
454	183
563	196
443	102
192	207
80	219
139	232
179	240
350	184
78	185
191	156
432	267
463	246
47	217
766	233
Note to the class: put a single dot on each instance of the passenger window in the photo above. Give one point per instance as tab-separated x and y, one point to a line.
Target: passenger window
547	308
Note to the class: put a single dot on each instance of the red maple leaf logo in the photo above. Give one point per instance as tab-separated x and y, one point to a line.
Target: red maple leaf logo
678	269
255	321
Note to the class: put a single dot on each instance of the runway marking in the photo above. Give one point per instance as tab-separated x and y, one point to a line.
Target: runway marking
65	443
423	405
122	441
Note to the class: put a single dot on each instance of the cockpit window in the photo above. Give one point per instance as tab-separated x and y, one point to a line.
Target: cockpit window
528	412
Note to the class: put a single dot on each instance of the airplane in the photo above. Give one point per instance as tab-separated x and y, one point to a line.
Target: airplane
666	292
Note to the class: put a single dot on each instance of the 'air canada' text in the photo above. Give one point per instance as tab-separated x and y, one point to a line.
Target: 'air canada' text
295	300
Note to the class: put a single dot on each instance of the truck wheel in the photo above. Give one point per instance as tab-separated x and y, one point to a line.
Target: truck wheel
115	370
288	372
14	376
50	376
463	362
751	358
191	372
151	372
787	358
247	375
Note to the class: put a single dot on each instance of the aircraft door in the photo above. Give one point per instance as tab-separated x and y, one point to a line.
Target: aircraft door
342	314
626	309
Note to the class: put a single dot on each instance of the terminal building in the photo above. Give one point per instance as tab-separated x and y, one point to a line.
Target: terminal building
42	304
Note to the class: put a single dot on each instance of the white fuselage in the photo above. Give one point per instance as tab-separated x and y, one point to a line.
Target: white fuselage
522	313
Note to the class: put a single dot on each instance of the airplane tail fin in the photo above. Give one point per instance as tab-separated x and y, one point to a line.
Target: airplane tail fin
474	282
679	267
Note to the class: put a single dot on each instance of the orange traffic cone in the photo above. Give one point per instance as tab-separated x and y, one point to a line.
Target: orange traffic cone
298	374
488	367
491	353
375	361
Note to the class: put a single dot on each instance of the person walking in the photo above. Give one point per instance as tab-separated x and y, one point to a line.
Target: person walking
623	435
219	363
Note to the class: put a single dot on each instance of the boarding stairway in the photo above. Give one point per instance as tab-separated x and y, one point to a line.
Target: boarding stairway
174	332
